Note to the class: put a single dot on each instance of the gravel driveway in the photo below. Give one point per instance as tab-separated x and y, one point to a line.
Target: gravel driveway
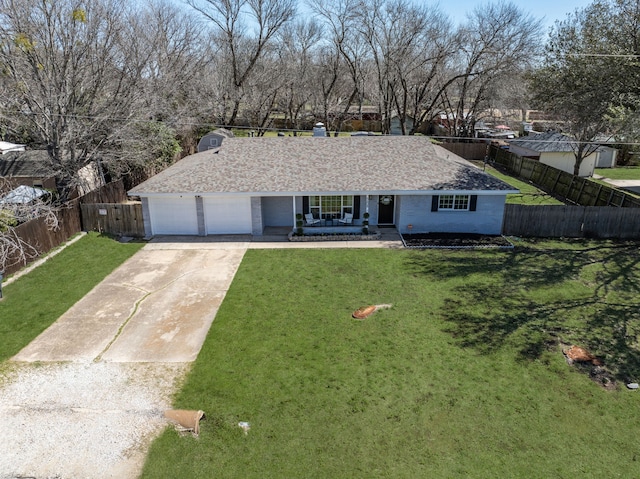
85	398
73	420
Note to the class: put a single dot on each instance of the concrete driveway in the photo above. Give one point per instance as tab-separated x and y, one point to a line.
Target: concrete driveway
156	307
107	368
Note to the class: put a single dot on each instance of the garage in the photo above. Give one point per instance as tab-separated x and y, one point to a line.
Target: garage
173	215
227	215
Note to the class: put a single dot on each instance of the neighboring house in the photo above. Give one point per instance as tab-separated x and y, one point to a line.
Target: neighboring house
249	184
29	168
553	149
32	168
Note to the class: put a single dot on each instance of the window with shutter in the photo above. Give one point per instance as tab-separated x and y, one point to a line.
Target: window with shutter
454	203
331	207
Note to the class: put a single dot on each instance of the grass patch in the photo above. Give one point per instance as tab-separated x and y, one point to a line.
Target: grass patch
529	194
620	173
463	377
33	302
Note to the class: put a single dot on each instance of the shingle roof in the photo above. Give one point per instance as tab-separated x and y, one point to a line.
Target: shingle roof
321	165
545	142
25	163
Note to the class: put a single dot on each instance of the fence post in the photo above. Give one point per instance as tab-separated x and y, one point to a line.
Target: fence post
568	195
553	188
579	198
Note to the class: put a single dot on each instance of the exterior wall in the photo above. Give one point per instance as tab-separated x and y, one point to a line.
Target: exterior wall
210	141
278	211
257	225
299	204
373	208
416	210
520	151
565	160
606	157
36	182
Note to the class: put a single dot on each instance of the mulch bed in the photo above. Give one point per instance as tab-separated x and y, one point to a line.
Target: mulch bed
455	240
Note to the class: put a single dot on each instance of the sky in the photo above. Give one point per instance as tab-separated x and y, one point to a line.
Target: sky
548	10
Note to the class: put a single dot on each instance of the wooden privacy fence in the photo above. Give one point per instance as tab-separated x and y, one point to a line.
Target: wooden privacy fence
468	151
553	221
105	210
574	189
37	234
123	219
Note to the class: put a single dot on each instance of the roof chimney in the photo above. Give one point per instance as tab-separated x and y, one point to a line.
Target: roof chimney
319	130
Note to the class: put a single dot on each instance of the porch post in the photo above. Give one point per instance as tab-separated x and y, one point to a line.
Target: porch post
366	203
294	211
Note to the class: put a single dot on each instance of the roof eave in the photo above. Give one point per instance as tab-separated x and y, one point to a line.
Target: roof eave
329	193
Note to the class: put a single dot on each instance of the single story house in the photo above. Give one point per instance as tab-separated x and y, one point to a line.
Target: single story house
33	168
249	184
554	149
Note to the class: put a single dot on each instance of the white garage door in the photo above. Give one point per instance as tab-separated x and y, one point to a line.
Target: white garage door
227	215
173	215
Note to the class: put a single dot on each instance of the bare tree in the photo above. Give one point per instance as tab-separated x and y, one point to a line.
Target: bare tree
266	83
176	54
497	41
242	45
297	68
408	45
72	70
343	60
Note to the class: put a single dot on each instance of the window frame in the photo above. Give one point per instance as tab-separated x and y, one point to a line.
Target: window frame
454	202
326	206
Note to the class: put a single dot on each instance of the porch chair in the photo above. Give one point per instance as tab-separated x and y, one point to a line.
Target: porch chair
347	220
310	219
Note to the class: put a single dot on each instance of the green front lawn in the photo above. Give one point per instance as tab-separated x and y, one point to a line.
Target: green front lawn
463	377
36	300
620	173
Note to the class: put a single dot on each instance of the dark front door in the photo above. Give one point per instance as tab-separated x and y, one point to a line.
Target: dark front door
386	208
